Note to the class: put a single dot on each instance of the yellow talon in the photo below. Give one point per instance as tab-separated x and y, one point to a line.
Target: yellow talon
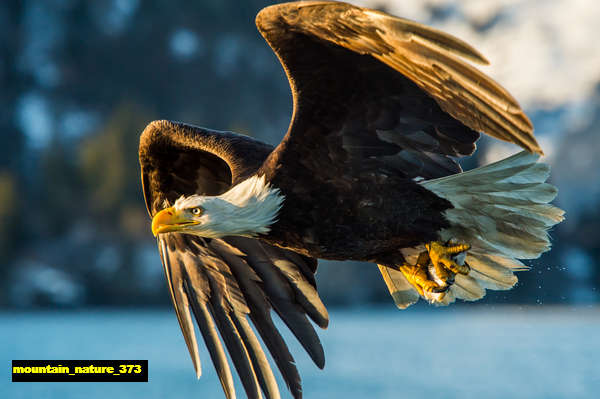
445	268
456	249
417	275
440	256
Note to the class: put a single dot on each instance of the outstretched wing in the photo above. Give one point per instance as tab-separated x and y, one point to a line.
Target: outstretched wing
371	88
229	283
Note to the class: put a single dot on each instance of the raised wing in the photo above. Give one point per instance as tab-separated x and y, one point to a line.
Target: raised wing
230	283
179	159
371	87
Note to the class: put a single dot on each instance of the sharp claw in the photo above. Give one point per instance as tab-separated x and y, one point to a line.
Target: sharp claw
439	289
433	287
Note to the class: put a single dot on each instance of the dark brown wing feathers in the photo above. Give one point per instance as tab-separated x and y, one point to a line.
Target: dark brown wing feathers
429	58
351	110
223	281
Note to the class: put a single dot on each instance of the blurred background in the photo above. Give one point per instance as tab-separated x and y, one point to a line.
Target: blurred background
79	80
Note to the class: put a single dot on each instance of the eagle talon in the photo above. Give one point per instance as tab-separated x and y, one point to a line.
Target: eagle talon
417	275
441	257
438	255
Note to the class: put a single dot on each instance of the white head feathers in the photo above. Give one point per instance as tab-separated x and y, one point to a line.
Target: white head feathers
247	209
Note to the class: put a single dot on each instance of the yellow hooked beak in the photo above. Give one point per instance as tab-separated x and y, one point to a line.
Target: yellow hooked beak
170	219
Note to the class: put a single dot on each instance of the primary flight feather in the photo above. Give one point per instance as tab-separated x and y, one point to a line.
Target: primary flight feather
367	171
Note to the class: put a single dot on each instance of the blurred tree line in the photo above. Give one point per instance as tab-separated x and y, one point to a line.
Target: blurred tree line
80	80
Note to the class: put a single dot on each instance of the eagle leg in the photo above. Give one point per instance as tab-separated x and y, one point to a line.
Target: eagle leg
418	276
440	257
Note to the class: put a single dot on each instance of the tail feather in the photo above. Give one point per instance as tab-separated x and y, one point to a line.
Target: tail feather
502	210
402	292
468	288
494	272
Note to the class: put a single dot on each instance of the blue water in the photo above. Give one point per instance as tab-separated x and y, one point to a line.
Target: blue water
487	352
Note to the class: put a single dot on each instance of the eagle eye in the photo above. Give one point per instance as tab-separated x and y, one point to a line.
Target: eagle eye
196	211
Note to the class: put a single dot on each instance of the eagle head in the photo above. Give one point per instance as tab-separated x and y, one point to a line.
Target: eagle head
247	209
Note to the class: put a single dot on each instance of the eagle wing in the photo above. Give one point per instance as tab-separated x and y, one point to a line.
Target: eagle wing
369	86
229	283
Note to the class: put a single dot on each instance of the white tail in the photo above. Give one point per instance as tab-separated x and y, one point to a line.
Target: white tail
502	210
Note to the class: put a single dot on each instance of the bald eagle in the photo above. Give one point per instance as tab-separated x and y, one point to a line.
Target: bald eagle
367	171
